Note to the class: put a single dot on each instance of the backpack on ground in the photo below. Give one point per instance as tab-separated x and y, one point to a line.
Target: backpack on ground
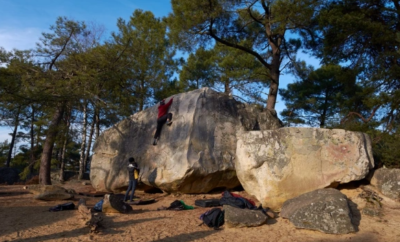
207	203
98	207
61	207
176	205
213	218
236	201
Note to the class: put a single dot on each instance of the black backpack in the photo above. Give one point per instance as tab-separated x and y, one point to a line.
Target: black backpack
176	205
237	202
213	218
62	207
232	201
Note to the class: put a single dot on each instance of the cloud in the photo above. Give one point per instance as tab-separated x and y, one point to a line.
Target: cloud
21	39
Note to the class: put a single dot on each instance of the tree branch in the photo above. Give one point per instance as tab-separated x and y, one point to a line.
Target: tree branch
240	47
365	120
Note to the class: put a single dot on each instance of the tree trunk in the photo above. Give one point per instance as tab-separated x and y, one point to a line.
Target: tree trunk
45	160
83	144
275	73
14	135
97	115
89	146
142	96
227	87
32	157
64	147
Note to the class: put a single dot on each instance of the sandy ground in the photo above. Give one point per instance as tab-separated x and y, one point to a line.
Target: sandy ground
24	219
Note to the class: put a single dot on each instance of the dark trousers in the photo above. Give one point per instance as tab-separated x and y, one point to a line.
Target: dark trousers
132	186
160	122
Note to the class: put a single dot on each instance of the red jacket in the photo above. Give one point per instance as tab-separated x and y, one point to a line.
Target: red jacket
163	109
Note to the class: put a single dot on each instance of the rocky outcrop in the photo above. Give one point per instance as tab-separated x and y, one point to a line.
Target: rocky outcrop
325	210
277	165
194	155
387	182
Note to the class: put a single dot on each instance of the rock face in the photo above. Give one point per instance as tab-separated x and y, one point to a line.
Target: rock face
387	182
277	165
194	155
237	217
325	210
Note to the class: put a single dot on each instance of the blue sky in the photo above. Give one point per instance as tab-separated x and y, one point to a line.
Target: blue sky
23	21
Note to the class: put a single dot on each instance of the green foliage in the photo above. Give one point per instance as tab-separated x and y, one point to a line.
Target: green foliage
362	35
258	28
225	68
320	96
146	58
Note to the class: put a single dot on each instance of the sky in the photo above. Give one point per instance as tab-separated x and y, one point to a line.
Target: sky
23	21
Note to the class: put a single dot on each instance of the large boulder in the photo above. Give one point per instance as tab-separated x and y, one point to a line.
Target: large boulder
277	165
325	210
387	182
194	155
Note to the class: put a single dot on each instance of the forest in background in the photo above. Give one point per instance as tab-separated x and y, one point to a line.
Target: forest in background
58	97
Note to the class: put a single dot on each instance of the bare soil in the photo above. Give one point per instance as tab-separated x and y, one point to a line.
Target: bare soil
24	219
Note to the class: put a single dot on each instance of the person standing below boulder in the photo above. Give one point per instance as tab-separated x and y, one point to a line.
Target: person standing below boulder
162	118
133	178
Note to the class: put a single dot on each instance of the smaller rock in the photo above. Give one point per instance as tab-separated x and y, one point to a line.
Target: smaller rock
387	182
326	210
238	217
38	189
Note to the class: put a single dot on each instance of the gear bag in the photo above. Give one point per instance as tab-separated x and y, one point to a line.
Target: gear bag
213	218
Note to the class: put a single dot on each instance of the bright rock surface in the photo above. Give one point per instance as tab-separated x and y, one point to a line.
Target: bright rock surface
277	165
194	155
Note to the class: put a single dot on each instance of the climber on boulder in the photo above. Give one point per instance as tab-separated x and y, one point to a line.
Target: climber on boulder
162	118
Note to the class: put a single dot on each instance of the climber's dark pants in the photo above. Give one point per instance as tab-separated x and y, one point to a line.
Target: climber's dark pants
160	122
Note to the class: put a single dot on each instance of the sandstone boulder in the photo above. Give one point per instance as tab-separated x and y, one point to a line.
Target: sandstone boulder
194	155
325	210
277	165
387	182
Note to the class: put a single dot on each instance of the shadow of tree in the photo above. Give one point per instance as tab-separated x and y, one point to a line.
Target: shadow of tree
11	222
110	227
188	236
